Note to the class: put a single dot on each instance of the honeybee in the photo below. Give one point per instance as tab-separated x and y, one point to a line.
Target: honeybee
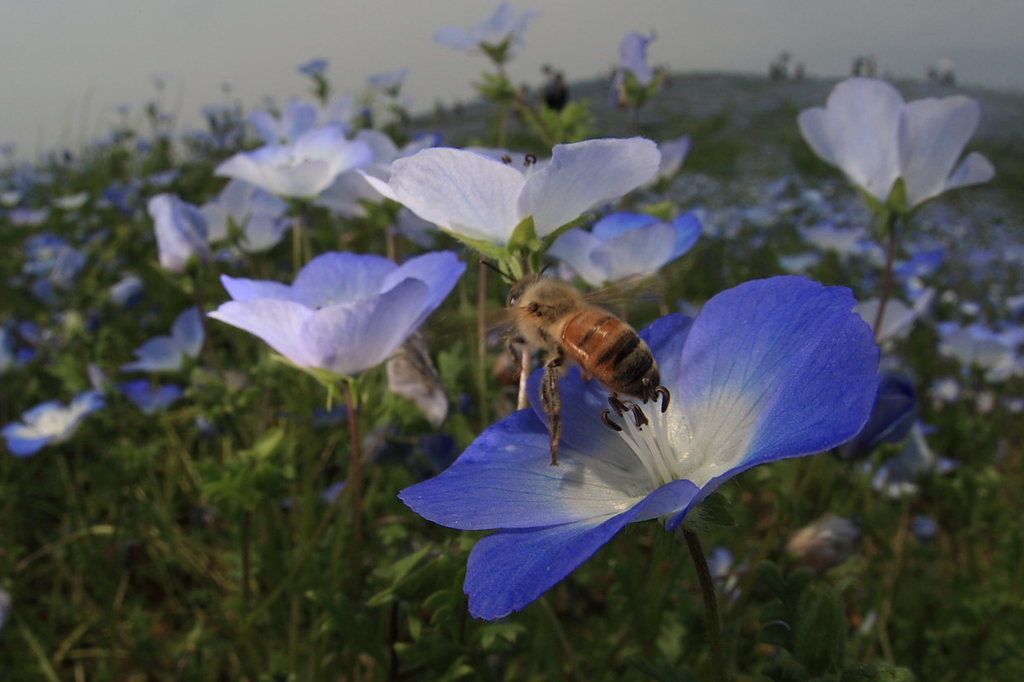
555	317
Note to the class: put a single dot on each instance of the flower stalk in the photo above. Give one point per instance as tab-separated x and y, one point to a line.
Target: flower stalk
707	589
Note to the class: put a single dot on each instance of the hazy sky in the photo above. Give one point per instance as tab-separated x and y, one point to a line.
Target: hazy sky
65	66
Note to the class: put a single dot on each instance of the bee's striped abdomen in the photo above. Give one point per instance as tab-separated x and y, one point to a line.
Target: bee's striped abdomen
611	350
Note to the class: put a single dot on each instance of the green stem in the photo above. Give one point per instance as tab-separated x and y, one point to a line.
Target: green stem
354	484
707	588
481	341
890	257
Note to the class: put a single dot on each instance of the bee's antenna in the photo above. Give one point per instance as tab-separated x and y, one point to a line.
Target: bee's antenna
492	266
545	268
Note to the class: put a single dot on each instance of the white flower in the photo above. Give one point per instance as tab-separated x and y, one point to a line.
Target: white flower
875	138
480	198
301	169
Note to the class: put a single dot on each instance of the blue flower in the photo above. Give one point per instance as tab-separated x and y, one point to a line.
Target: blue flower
504	25
167	353
314	67
149	397
181	231
345	312
257	213
625	244
49	423
892	416
771	369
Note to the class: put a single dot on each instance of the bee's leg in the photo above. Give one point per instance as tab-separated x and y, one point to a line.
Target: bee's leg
639	416
553	401
514	344
665	397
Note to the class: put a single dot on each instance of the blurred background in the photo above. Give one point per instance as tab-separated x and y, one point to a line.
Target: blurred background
67	68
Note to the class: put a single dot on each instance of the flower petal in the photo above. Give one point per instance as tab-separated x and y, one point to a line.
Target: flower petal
933	134
614	224
771	369
584	175
505	480
973	170
188	332
341	277
160	354
463	192
242	289
858	131
277	322
439	270
350	337
508	570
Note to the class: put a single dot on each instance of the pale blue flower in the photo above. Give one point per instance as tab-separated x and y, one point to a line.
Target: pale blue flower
314	67
771	369
296	118
875	138
345	312
622	245
181	232
633	57
257	213
504	25
49	423
351	190
168	353
149	397
301	169
389	81
480	198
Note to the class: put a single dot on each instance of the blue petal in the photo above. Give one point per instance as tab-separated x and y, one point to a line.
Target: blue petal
348	338
160	354
187	332
688	229
22	447
504	480
151	398
439	270
508	570
892	416
775	368
614	224
335	277
242	289
666	336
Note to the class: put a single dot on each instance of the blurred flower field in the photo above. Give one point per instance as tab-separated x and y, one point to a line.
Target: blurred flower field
258	406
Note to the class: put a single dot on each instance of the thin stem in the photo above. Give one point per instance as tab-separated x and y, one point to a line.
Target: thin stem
246	531
481	341
707	588
354	484
890	257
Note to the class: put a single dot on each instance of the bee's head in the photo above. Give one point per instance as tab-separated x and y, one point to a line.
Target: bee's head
515	294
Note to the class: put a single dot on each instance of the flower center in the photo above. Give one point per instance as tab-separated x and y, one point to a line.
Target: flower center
662	446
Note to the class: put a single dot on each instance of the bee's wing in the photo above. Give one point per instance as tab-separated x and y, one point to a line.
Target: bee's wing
627	290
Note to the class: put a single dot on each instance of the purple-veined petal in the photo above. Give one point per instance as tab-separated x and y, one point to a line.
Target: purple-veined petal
348	338
584	175
462	192
509	569
933	134
277	322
